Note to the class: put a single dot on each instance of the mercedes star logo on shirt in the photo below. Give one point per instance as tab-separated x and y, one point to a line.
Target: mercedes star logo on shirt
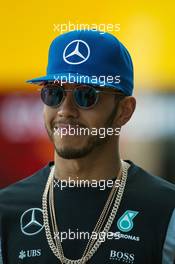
76	52
32	221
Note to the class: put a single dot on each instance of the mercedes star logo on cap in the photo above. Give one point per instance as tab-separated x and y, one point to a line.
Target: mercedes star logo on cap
76	52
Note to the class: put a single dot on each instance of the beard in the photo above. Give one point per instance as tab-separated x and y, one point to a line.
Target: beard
92	142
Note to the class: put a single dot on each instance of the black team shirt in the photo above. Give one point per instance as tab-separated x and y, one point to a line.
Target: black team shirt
144	226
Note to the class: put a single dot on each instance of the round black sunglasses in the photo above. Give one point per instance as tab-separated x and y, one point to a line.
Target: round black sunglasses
85	96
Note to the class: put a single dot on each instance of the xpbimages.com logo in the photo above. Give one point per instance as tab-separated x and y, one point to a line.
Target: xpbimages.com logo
101	80
101	132
69	26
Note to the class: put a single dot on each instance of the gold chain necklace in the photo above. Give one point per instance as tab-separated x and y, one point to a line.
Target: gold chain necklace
92	245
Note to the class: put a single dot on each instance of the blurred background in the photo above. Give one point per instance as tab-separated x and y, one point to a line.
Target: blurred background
146	29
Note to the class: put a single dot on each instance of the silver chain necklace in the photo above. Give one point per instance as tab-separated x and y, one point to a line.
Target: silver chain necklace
92	245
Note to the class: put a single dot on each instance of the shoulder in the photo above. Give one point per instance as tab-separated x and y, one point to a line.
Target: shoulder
151	187
28	188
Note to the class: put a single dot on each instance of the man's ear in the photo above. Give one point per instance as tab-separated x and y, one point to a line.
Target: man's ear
126	108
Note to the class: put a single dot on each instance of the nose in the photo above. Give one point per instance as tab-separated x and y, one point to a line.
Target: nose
68	108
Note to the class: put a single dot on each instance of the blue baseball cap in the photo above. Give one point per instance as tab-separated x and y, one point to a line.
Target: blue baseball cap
89	57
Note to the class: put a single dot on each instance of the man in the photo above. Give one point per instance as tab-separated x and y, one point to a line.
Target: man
88	206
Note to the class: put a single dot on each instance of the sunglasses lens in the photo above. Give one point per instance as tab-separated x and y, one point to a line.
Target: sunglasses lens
52	96
85	96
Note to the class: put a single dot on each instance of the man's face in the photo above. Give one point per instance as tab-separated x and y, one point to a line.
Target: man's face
77	146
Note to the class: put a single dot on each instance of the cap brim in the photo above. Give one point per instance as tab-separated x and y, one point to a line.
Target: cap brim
38	80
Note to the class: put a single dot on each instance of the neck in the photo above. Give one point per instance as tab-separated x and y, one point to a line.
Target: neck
103	163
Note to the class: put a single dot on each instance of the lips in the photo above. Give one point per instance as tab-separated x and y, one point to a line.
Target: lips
65	126
59	128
